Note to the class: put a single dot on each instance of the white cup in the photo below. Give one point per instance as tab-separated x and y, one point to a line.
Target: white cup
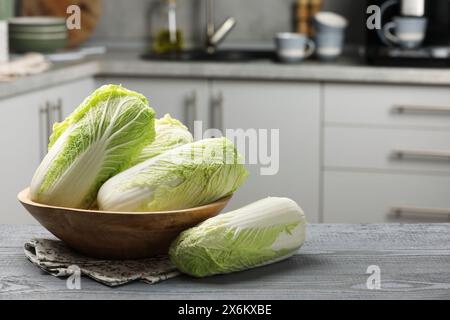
409	32
293	47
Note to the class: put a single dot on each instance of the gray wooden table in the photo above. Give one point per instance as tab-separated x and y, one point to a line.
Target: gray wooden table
414	262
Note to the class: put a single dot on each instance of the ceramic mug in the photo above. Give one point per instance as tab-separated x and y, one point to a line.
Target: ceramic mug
329	30
409	31
329	22
293	47
329	45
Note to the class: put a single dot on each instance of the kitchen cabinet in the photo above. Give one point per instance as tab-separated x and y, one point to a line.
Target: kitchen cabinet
24	128
186	100
291	108
335	141
389	149
399	106
386	153
72	94
375	197
21	144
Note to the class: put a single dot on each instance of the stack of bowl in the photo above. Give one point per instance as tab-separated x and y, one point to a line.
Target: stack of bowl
37	34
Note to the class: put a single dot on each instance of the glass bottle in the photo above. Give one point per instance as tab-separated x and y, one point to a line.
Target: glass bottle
167	37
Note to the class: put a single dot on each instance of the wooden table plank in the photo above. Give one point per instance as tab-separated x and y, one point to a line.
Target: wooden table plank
414	262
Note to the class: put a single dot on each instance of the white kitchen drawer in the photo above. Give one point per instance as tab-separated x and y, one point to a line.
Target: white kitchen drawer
362	197
392	149
377	105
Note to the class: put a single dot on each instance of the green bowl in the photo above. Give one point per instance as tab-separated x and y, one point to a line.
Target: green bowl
37	29
37	25
36	21
37	42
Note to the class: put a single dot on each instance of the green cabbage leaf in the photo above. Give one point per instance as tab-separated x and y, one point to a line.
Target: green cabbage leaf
97	141
170	133
190	175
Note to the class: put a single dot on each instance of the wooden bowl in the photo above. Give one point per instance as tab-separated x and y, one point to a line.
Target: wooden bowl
118	235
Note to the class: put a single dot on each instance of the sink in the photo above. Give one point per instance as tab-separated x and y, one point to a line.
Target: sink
219	55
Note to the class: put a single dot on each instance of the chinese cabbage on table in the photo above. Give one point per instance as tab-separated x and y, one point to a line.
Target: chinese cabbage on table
191	175
97	141
263	232
170	133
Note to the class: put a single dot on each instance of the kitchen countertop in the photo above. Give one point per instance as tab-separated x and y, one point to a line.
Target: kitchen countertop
59	73
414	261
346	69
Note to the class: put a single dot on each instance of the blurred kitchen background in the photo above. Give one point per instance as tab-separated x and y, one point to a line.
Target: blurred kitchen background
364	122
129	24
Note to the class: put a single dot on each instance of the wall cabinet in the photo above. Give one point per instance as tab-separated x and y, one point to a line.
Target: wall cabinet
24	128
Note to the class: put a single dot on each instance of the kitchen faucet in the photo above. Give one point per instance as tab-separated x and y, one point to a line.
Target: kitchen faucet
213	36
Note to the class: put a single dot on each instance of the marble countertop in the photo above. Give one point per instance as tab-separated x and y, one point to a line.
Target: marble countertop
351	70
332	264
346	69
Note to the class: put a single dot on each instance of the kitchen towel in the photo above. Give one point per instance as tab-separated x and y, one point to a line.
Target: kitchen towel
56	258
31	63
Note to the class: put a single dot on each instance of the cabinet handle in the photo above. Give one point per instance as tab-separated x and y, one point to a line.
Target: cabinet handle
402	210
44	128
418	153
55	114
217	112
50	119
421	109
190	110
59	109
46	120
55	108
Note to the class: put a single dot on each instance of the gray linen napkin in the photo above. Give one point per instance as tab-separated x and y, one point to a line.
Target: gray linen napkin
56	258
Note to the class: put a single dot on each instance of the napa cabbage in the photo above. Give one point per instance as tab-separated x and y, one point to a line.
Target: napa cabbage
97	141
190	175
258	234
170	133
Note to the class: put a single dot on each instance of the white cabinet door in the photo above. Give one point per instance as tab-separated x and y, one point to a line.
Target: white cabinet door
22	142
386	151
24	129
65	98
185	100
294	110
73	93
